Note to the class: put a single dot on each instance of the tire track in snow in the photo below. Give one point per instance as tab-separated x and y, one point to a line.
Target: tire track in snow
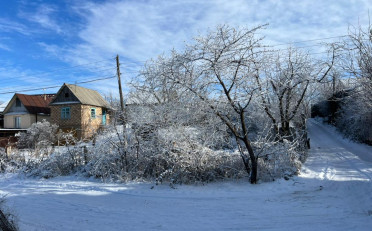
332	145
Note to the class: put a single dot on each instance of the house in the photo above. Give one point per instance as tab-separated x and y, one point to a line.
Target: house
80	110
24	110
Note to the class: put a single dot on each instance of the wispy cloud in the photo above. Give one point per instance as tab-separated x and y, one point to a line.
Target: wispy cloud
4	47
9	26
78	32
44	16
140	30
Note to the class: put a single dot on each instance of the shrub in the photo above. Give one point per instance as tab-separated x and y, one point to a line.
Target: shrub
7	220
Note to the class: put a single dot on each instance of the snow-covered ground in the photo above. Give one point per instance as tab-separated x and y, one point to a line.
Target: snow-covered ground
333	192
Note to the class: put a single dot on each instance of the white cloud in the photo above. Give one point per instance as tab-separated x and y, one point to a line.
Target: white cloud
4	47
44	17
140	30
9	26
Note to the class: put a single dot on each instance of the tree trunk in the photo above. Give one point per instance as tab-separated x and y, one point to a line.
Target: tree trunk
254	171
248	145
285	130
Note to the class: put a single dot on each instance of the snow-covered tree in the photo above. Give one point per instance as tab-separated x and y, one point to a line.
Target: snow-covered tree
354	117
218	70
285	84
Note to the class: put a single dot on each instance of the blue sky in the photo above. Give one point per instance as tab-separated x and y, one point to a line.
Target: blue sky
46	43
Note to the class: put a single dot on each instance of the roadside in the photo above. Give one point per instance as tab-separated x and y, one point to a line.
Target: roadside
333	192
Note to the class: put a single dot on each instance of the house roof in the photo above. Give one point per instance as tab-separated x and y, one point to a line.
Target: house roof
35	104
85	96
3	106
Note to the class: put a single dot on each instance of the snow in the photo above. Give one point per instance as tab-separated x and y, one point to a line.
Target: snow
333	192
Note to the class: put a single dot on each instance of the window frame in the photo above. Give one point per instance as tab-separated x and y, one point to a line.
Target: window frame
93	116
18	102
66	113
17	122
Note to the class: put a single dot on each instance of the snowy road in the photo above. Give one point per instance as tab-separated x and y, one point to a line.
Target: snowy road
333	192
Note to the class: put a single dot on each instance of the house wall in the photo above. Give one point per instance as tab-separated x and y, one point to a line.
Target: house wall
26	120
80	122
92	125
72	124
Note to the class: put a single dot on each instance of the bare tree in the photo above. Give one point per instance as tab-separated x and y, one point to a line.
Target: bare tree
358	61
284	84
354	115
218	70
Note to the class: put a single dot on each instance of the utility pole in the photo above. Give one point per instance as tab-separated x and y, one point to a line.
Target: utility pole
119	82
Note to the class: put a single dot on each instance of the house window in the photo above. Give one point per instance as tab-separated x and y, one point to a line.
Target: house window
93	113
65	113
67	95
17	122
18	102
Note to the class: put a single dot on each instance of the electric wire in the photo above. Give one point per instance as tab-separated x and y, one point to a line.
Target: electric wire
133	65
57	86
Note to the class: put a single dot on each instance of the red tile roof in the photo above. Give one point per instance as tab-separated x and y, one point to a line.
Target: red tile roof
36	104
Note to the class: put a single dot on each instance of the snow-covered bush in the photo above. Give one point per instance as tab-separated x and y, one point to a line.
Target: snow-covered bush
41	137
278	159
183	158
173	155
355	119
3	160
11	162
69	161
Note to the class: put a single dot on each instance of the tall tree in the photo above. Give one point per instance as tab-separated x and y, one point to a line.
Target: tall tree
219	69
284	83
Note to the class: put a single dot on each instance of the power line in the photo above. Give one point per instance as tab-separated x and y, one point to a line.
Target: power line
309	40
14	79
60	69
46	73
136	64
50	87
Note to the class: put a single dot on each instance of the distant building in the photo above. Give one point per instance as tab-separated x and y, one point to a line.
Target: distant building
2	108
24	110
80	110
